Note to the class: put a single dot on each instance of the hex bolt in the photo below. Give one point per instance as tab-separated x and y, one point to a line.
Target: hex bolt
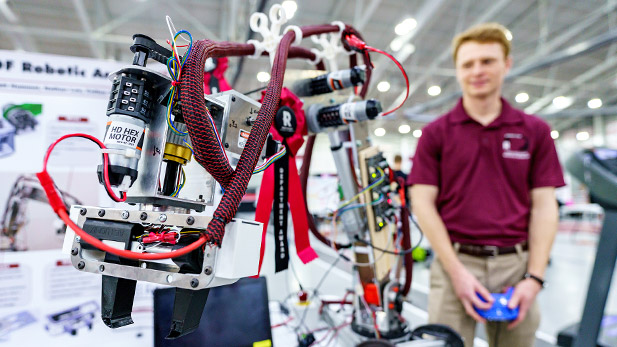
77	239
162	217
101	213
190	220
83	211
102	268
143	216
74	251
208	270
81	265
194	282
125	214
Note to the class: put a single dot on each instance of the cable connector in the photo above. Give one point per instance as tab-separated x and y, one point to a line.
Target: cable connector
166	238
55	201
355	43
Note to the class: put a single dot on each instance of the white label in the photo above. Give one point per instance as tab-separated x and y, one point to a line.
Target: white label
124	134
242	138
346	112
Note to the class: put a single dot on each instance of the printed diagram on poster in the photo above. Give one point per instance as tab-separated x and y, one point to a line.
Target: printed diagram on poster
14	219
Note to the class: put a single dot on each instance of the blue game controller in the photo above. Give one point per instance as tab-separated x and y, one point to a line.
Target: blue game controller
499	312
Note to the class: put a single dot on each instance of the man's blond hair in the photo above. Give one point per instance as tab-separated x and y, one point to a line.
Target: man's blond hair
483	33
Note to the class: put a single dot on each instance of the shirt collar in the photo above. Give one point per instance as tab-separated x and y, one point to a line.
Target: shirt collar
508	115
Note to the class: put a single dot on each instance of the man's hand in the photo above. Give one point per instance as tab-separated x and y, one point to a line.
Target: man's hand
524	294
467	288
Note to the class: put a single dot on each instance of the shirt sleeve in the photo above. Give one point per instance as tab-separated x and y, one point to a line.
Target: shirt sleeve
426	161
545	169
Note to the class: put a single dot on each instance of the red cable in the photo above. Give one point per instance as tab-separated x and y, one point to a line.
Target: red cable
58	206
402	71
111	193
360	45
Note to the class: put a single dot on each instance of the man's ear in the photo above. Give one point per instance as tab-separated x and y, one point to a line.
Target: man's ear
508	63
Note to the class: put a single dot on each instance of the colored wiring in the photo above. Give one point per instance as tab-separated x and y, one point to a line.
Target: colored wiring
174	67
360	45
180	185
278	155
382	177
216	132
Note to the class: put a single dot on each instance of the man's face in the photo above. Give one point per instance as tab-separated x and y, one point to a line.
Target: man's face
481	68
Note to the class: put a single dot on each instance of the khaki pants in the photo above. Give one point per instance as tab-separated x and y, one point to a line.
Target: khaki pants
495	273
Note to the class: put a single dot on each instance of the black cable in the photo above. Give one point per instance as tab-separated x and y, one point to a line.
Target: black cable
255	90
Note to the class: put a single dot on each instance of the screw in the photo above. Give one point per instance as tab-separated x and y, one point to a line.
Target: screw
190	220
81	265
125	214
74	251
162	217
226	145
101	213
143	216
83	211
233	98
208	270
194	282
77	239
101	268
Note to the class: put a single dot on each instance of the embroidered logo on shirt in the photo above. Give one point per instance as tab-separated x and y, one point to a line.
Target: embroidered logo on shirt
515	146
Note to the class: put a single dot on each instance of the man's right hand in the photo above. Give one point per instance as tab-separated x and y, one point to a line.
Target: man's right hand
467	289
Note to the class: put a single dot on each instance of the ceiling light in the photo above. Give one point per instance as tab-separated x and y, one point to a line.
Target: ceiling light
521	97
594	103
562	102
417	133
434	90
582	136
396	44
380	132
404	129
290	8
263	76
508	35
405	27
383	86
555	134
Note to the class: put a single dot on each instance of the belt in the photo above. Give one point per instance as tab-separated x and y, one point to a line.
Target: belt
490	251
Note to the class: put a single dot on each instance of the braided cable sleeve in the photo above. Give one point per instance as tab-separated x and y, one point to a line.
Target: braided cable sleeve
231	198
207	150
406	244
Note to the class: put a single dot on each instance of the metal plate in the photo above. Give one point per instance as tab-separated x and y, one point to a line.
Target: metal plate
92	260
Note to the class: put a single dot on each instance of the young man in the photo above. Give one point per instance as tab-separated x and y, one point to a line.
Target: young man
484	179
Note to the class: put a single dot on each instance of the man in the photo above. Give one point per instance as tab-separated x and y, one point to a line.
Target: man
398	172
484	179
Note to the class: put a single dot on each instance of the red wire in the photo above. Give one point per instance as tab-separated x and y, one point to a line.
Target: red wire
62	213
111	193
128	254
360	45
402	71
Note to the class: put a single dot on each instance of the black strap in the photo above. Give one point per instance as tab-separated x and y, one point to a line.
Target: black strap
280	208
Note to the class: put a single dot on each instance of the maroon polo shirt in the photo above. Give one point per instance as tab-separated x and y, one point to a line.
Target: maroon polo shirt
485	173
